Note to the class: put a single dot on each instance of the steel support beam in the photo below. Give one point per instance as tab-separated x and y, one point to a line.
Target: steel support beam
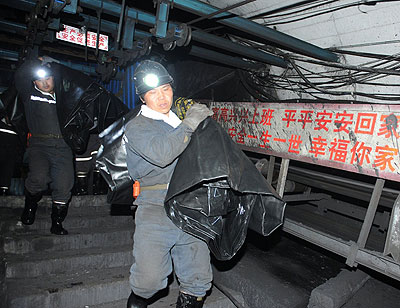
392	244
271	166
367	224
370	259
369	216
280	189
283	40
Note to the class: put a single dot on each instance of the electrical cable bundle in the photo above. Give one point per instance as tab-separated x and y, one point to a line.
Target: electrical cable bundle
334	81
373	80
308	9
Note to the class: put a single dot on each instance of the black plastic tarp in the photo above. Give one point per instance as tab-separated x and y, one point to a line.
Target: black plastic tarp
86	107
111	161
216	193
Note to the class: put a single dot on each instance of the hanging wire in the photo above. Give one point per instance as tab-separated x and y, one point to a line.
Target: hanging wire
317	78
305	13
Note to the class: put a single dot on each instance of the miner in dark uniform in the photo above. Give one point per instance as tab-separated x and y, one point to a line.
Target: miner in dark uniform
50	158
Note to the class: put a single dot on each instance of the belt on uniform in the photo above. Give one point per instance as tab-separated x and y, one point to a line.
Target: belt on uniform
154	187
47	136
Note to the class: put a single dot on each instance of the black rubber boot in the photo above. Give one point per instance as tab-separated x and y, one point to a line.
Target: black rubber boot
31	204
135	301
58	214
189	301
81	184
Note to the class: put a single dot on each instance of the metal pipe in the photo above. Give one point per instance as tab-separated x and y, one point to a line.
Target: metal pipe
247	26
25	5
121	20
12	27
251	53
106	26
8	55
222	58
98	28
228	8
115	10
90	70
150	20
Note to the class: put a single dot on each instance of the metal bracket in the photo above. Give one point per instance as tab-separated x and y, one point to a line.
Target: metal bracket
143	46
280	188
180	35
161	25
367	224
392	244
271	166
56	6
129	30
353	250
71	8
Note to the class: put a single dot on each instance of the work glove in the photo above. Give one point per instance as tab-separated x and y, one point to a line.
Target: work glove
196	114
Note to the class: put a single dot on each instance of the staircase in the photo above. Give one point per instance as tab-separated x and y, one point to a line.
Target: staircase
87	268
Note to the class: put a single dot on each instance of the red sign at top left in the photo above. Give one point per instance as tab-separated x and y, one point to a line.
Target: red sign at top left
77	36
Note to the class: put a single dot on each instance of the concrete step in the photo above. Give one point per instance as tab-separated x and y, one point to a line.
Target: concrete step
215	299
76	201
273	274
72	290
11	221
76	239
61	262
94	289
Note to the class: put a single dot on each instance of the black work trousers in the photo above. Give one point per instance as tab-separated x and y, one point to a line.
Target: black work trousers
50	163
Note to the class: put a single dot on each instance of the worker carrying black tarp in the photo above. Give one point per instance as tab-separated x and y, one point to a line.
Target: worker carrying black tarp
62	108
211	192
154	140
50	158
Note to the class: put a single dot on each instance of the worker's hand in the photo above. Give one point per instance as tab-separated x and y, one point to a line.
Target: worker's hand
196	114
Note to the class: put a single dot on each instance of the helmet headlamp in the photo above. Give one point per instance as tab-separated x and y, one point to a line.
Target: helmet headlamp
149	75
41	72
151	80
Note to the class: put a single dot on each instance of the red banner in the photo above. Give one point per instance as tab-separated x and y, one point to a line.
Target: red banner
358	138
